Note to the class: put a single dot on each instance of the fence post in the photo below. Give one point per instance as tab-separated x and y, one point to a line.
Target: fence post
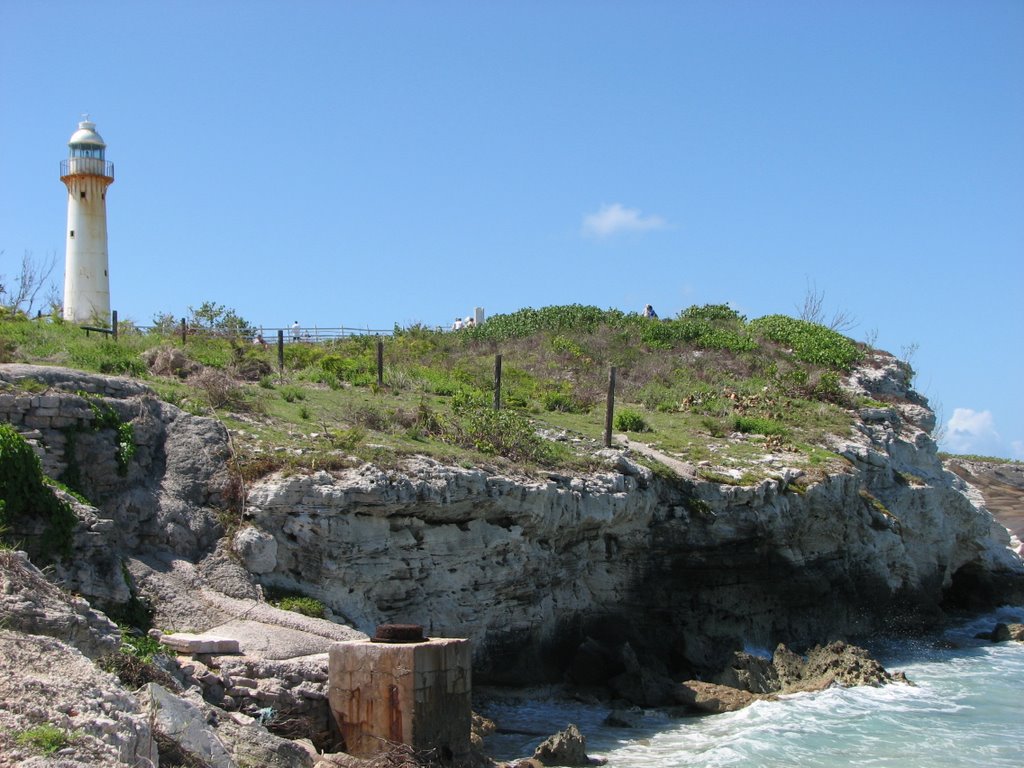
184	331
280	351
610	410
113	323
497	382
380	362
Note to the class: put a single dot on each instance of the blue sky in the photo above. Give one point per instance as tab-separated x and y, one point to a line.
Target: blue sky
366	164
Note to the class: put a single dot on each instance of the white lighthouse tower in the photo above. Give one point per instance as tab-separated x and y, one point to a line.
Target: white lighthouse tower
87	174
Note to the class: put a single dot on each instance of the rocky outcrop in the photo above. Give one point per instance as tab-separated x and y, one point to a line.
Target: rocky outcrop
683	569
59	684
537	570
47	683
714	698
1001	486
156	487
31	604
210	734
748	678
1003	633
568	747
151	532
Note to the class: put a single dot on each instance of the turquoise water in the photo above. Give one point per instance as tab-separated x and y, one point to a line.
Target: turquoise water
966	709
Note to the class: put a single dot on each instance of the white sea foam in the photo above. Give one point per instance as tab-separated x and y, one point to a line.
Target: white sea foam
963	711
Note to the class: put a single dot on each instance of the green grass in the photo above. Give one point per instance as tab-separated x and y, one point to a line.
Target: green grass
975	457
45	739
26	499
294	601
705	385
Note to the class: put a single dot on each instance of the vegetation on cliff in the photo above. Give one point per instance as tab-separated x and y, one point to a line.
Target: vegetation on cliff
707	385
27	501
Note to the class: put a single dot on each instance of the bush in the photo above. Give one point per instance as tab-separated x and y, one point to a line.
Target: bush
714	427
627	420
712	313
45	738
505	433
296	602
307	606
810	342
758	426
220	390
290	393
361	372
26	500
562	402
556	319
214	318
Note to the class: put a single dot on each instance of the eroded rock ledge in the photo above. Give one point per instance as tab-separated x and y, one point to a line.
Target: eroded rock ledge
545	574
684	570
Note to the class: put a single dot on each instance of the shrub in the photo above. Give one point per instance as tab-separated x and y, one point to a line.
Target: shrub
505	433
251	367
307	606
26	500
827	388
712	313
556	319
714	427
810	342
758	426
360	372
220	390
135	672
370	416
45	738
347	439
296	602
211	317
141	646
562	402
627	420
290	393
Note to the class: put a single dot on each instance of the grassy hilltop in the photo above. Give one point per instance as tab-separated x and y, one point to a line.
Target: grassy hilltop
708	387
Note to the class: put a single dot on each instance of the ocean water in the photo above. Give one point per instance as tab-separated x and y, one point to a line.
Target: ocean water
966	709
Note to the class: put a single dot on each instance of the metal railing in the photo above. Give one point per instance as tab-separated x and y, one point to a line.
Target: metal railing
86	166
312	334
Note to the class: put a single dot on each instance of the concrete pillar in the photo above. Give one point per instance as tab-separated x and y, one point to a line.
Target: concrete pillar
414	693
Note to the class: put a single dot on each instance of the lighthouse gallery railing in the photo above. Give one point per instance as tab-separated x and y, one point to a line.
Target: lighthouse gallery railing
92	166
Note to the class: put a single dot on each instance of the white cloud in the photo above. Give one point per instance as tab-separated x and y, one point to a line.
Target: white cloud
970	431
615	218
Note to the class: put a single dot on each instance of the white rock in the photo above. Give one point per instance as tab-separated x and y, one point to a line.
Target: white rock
257	549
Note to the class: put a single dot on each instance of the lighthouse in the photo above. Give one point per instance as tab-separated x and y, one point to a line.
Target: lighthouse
87	173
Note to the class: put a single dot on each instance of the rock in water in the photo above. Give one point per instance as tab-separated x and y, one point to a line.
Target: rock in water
568	747
1005	632
714	699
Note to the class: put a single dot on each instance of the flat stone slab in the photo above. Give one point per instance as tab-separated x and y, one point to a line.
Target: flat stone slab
184	642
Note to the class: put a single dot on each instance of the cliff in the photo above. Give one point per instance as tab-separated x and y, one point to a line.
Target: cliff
532	568
647	562
684	569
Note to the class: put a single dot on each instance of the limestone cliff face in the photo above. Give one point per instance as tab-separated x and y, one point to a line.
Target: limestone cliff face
165	499
684	568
